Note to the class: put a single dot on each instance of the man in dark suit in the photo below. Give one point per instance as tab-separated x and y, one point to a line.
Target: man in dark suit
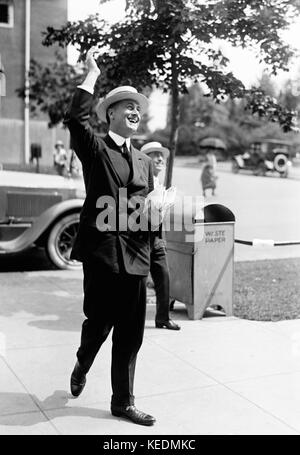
158	256
115	259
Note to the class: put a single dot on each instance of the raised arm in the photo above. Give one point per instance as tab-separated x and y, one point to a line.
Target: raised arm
93	71
83	137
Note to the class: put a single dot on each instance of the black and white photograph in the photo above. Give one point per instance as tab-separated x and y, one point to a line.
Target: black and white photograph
149	220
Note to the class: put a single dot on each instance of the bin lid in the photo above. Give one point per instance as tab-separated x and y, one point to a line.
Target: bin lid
217	213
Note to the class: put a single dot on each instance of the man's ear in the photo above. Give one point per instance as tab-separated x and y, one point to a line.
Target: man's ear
110	113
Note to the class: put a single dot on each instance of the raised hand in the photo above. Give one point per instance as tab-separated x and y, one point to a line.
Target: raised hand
91	56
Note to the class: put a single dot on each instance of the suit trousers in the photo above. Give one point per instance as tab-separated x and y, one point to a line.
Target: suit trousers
113	301
160	275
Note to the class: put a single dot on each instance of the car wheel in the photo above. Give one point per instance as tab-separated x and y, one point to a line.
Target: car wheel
280	163
60	242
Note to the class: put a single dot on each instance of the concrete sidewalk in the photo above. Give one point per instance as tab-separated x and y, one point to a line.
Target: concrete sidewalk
217	376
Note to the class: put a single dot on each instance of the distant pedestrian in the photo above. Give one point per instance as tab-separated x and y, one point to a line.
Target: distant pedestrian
208	174
60	158
212	160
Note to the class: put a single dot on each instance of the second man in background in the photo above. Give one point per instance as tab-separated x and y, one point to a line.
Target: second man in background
158	257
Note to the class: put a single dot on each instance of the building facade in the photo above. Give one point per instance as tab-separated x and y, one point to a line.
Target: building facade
21	25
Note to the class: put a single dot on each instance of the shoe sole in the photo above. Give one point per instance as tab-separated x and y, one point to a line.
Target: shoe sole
119	414
76	394
162	326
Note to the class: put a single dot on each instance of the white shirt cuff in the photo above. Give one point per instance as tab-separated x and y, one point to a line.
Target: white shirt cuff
87	88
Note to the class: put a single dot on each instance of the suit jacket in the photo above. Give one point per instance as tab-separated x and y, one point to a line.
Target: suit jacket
118	250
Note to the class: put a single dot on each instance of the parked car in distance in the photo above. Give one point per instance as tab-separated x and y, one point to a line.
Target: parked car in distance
41	210
264	156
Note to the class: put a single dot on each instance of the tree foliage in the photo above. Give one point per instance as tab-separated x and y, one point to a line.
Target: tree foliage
169	43
201	117
290	93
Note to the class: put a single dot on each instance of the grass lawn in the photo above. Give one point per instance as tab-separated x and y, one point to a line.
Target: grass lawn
267	290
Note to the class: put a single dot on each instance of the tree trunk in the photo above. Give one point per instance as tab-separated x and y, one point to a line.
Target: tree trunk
174	120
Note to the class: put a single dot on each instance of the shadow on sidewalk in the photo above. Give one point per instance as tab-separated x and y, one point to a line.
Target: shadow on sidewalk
33	259
48	303
55	403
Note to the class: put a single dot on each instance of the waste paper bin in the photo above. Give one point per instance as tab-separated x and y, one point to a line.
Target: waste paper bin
201	265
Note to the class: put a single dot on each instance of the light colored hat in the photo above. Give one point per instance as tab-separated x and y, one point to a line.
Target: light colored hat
126	92
155	147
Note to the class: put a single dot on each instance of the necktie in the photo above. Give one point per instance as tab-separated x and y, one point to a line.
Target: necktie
126	153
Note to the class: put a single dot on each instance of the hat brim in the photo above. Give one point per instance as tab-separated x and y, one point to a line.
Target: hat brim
164	150
106	102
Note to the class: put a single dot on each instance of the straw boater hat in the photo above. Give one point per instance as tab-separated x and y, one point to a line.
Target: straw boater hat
126	92
155	147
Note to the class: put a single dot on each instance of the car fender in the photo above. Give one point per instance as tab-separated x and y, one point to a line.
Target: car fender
28	237
269	165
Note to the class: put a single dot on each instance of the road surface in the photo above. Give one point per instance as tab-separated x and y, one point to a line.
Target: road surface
264	207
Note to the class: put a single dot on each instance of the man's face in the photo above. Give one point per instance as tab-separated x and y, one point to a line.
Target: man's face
158	162
124	117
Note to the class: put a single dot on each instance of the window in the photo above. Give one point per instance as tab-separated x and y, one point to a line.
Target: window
6	13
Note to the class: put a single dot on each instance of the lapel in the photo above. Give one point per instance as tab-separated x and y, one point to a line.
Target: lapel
137	163
111	149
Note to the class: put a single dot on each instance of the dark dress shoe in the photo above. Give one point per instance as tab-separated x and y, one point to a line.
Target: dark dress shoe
133	414
171	325
78	380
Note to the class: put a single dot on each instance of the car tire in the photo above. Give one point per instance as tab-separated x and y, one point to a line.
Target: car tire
60	242
280	163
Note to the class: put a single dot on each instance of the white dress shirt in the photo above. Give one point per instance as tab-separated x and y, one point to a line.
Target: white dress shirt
87	88
119	140
156	181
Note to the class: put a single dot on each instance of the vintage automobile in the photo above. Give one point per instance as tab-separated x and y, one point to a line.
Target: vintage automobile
41	210
264	156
